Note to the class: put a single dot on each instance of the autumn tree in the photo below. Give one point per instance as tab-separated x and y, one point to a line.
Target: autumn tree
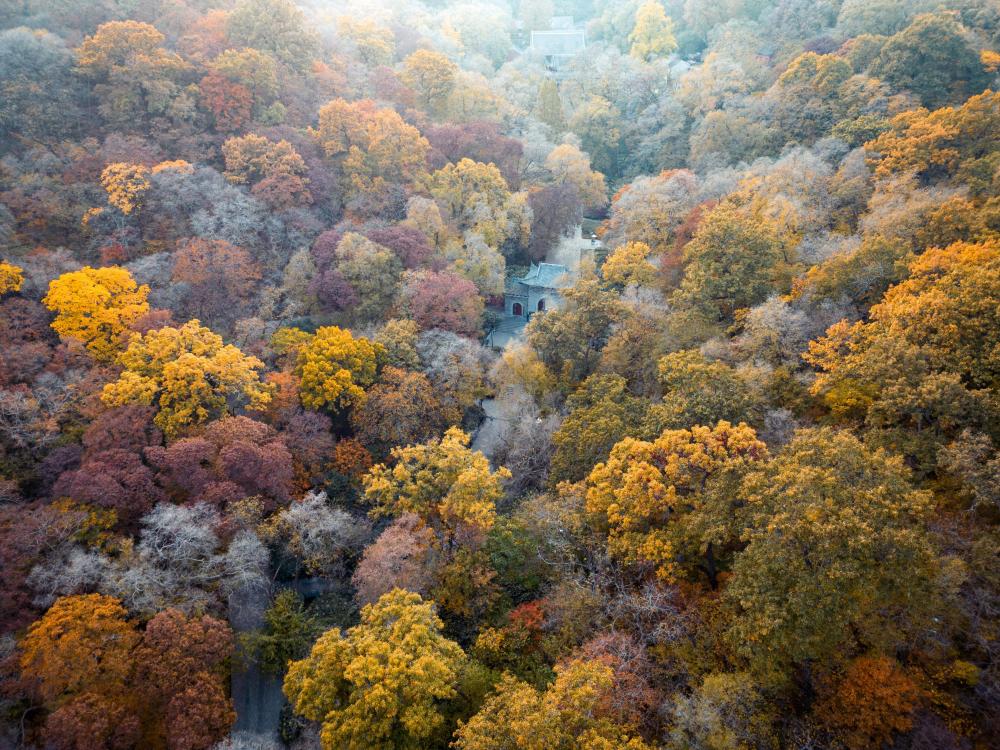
861	275
374	148
809	97
442	300
650	498
399	410
480	140
408	243
731	263
566	715
274	170
383	683
953	142
599	124
601	412
569	340
628	265
836	551
871	701
229	103
116	479
456	367
255	71
568	164
82	645
11	278
653	35
725	710
135	76
478	261
335	368
432	76
373	273
399	339
277	27
656	211
449	486
475	197
181	670
220	278
921	367
233	458
189	374
375	44
403	556
96	306
932	58
696	390
94	720
126	185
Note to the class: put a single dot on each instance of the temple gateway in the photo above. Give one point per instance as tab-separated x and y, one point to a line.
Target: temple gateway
537	290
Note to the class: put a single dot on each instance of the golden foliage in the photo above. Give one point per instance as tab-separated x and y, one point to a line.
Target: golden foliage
82	644
446	484
335	368
97	306
125	185
380	685
628	265
648	496
874	699
11	278
189	374
565	716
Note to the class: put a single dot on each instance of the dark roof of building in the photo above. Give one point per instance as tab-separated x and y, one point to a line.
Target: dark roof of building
546	275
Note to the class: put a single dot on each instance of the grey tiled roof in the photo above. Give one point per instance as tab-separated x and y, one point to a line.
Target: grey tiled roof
547	275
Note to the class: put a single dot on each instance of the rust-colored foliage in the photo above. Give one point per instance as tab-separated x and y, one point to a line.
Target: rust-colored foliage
873	700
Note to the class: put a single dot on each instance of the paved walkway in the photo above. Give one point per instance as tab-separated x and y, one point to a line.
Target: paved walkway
508	329
257	696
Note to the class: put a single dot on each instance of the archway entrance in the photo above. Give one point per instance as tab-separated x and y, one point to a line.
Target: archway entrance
541	305
517	309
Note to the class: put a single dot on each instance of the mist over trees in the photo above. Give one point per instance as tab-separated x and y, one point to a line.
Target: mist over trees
735	486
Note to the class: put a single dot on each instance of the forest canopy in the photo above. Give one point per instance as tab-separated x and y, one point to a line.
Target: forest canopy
499	374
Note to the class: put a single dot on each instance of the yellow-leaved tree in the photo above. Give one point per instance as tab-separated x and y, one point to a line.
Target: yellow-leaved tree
189	374
653	34
432	76
11	278
837	553
651	498
125	184
628	265
566	716
382	684
335	368
475	197
449	486
924	365
96	306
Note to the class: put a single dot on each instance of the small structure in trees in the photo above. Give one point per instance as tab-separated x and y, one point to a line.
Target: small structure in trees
559	44
537	290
